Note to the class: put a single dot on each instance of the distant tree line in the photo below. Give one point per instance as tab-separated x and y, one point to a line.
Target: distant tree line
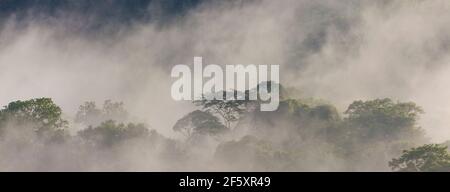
300	135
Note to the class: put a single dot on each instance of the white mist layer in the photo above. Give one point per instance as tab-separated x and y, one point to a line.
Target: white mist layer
339	51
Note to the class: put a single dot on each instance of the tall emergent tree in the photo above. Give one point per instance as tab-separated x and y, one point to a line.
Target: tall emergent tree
199	122
228	109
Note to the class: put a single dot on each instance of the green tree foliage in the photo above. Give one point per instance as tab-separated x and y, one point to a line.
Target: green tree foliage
375	131
199	122
430	157
301	109
89	114
300	135
41	114
109	133
384	119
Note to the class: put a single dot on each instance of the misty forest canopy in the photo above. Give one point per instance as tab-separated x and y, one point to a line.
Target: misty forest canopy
89	114
124	47
303	134
199	122
42	115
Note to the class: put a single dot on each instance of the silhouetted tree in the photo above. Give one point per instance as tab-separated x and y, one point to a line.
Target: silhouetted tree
430	157
199	122
228	109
